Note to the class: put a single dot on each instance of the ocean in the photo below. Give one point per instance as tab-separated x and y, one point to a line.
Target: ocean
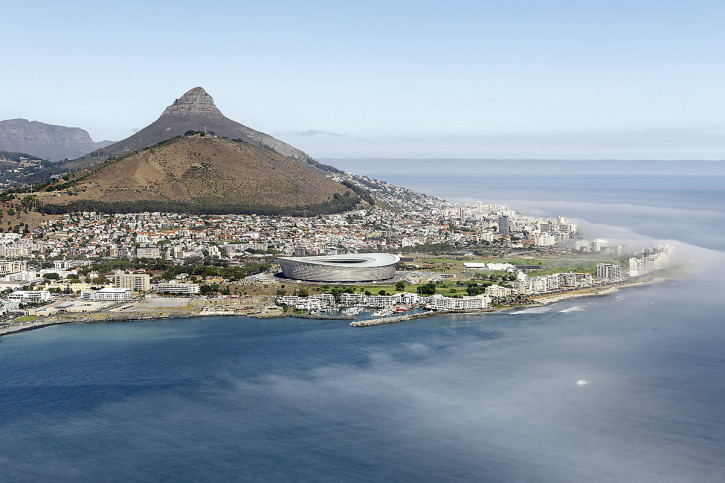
456	398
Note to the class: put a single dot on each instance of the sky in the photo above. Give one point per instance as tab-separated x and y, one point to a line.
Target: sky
530	79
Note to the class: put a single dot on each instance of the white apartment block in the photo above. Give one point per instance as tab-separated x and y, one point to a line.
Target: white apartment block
498	291
176	288
552	282
544	240
327	299
290	300
107	295
408	298
138	282
12	266
29	296
439	302
609	272
353	299
383	301
148	250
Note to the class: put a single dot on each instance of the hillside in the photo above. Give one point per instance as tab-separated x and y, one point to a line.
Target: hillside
46	141
194	111
201	174
21	168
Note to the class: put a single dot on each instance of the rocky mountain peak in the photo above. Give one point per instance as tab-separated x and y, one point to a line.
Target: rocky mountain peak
194	111
195	101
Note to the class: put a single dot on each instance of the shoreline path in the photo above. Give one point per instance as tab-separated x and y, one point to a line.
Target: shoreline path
214	308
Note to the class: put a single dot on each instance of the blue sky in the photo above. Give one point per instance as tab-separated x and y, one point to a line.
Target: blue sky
455	79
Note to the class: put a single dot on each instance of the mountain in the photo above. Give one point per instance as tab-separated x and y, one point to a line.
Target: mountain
202	174
46	141
194	111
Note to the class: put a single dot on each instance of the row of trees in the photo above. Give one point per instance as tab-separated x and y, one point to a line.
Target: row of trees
339	203
194	267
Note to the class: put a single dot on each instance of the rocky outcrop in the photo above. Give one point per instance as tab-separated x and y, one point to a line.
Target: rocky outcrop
195	102
46	141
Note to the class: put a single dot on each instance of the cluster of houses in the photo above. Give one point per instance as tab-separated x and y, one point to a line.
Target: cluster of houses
417	220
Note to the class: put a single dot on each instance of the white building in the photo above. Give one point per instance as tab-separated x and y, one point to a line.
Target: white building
29	296
326	299
148	250
409	298
498	291
107	294
26	276
177	288
608	272
439	302
383	301
12	266
353	299
290	300
544	240
138	282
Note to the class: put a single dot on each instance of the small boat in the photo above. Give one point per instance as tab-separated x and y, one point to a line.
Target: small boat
352	311
582	382
382	313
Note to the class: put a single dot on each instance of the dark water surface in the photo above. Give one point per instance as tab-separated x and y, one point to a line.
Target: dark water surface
484	398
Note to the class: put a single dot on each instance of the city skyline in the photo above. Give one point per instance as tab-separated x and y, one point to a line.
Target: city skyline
468	80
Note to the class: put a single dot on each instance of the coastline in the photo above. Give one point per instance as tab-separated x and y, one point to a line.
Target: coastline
108	317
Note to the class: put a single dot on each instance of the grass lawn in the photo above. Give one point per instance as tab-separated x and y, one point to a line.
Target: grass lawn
26	318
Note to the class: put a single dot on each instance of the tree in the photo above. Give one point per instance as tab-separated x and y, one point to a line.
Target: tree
400	286
427	289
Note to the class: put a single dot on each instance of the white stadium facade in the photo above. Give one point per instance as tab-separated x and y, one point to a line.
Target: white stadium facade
363	267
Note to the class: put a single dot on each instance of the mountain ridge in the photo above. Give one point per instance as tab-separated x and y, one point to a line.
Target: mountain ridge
46	141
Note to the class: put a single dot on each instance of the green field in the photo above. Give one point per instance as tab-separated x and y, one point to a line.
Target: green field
26	318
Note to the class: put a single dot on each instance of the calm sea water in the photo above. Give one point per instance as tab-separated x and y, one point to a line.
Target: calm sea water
485	398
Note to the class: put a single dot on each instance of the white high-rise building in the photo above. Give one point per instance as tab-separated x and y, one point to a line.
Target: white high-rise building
609	272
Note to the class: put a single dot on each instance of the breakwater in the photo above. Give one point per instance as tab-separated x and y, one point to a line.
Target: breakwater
404	318
395	319
322	316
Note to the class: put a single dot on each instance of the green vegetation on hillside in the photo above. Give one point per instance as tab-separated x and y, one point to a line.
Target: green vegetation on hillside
339	203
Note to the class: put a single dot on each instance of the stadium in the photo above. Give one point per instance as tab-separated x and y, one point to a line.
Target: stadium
364	267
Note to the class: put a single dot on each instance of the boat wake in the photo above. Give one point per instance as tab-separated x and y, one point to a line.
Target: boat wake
576	308
535	310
